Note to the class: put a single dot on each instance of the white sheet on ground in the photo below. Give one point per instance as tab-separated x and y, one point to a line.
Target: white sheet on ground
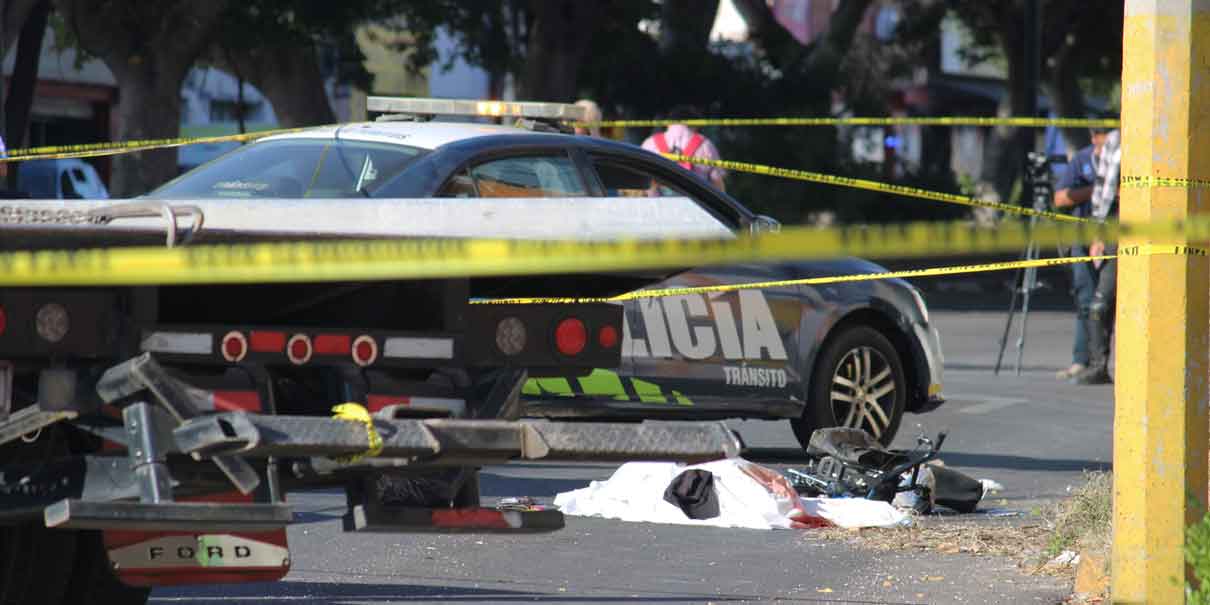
750	496
856	512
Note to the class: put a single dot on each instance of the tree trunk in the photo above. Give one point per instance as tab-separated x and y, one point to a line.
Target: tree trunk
289	78
137	173
778	45
20	98
685	25
560	35
1007	143
13	14
820	61
1066	96
149	47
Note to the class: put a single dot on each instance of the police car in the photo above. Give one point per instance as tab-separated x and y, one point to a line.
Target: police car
857	354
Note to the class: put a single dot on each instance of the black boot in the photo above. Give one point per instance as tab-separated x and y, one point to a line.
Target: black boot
1097	371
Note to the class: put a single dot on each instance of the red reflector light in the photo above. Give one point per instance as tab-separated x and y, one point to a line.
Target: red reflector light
235	347
469	518
3	321
365	350
332	344
607	336
298	350
268	342
571	337
236	401
375	403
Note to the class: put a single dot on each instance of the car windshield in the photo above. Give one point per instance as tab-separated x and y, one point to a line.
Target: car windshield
294	168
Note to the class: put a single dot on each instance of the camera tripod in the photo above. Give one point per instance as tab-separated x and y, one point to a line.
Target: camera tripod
1026	280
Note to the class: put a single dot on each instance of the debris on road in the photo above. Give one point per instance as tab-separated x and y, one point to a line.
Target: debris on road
851	481
1064	560
741	494
849	463
956	535
520	503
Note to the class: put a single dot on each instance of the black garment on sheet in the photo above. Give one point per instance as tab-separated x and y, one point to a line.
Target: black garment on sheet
693	492
955	490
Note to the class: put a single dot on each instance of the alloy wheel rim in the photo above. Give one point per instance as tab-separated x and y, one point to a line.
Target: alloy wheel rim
862	392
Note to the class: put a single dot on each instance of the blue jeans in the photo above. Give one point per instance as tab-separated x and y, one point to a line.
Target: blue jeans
1083	285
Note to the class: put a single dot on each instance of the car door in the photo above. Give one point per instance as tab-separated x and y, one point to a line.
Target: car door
734	351
550	173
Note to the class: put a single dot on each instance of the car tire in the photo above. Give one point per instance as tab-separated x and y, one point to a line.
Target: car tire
859	382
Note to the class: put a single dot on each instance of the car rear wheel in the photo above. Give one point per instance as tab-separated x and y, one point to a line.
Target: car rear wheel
858	382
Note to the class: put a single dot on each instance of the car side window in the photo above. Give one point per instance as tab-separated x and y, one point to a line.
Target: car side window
68	187
518	176
625	181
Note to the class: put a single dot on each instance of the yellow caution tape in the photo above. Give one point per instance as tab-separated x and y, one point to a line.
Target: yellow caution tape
806	281
354	412
1138	250
1163	181
85	150
317	261
1154	249
876	121
844	181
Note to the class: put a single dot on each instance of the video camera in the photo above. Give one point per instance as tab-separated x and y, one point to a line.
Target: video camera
1039	177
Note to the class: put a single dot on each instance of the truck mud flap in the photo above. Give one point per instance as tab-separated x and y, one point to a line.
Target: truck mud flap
219	555
455	441
174	558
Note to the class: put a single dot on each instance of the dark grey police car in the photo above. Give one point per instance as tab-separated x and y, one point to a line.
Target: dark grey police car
858	354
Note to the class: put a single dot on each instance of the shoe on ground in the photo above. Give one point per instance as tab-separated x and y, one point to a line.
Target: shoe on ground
1092	376
1071	372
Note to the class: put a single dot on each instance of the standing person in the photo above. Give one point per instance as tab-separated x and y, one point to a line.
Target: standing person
683	140
1104	207
593	114
1074	194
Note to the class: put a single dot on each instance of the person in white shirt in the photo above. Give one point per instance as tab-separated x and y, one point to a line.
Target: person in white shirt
1100	314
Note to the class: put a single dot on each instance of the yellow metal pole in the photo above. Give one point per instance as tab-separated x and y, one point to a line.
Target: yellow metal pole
1160	419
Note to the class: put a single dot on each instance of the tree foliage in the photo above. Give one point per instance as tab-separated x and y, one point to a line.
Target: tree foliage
540	44
1080	45
280	45
643	57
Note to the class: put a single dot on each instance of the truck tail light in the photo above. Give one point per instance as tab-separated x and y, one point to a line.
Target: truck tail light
235	347
365	350
333	344
298	349
263	341
571	337
607	337
511	336
52	322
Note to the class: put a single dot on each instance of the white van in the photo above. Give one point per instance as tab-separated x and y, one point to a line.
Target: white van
60	179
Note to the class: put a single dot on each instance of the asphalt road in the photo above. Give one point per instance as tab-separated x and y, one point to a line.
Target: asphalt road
1031	433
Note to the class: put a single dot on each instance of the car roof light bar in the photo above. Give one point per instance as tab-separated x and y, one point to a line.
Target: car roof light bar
471	107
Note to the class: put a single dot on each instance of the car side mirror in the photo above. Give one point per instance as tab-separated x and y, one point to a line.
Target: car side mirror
764	224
